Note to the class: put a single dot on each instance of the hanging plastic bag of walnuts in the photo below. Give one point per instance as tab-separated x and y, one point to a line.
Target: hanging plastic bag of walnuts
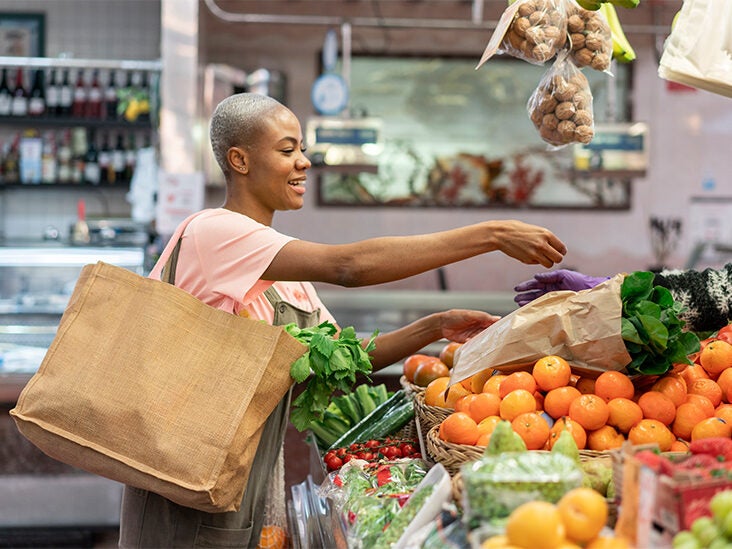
589	36
537	31
561	105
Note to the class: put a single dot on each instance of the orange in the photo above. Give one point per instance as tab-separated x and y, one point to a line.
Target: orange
459	428
539	397
611	384
532	428
679	445
550	372
463	403
575	429
604	438
624	413
557	401
411	363
716	357
429	371
724	380
516	403
590	411
493	383
434	394
585	385
484	405
687	416
658	406
454	393
272	537
477	381
483	439
725	412
693	372
535	524
708	388
447	353
584	514
673	386
649	431
609	542
702	402
517	380
711	427
488	424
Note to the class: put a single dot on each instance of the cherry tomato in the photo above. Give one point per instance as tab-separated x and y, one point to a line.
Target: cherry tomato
371	444
333	463
368	456
329	454
354	447
341	452
346	458
407	449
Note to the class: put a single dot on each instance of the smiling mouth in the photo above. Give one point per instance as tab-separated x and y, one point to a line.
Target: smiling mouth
297	183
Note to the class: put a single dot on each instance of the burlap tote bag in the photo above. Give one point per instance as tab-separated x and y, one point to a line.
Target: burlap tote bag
146	385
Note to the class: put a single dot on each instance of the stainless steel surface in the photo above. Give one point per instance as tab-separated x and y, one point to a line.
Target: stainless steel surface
64	256
71	63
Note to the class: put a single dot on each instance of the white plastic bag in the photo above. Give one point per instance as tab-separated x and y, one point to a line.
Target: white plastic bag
698	52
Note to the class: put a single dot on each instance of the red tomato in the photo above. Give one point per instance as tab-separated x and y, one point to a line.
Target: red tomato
333	463
407	449
725	333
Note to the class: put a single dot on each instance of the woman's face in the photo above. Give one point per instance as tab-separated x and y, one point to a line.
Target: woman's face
277	164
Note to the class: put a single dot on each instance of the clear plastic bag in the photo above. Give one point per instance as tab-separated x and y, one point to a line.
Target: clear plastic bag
537	31
591	42
561	105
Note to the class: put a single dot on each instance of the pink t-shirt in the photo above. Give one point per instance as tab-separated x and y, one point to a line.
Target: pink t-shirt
222	257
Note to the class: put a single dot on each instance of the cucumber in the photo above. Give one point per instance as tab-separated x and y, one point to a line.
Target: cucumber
367	422
394	420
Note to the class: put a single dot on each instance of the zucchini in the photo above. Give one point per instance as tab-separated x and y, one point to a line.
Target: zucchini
367	421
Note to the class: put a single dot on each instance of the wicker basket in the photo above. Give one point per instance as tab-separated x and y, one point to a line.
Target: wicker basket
409	387
429	416
451	456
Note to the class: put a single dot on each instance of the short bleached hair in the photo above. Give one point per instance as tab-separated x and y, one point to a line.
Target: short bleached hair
237	122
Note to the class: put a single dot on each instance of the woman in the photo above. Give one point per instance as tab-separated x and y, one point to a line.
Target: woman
232	259
706	295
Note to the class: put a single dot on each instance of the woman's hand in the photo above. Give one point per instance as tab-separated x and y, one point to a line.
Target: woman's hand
529	244
461	324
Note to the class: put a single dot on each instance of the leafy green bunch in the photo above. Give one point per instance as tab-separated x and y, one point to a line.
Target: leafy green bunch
334	363
651	328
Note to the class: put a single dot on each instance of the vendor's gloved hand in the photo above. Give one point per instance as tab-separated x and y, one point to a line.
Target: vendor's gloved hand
562	279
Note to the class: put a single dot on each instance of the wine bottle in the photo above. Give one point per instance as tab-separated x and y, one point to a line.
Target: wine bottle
92	173
11	162
37	99
64	157
130	157
118	159
19	106
6	97
78	154
110	96
49	162
105	161
81	97
66	96
94	99
53	91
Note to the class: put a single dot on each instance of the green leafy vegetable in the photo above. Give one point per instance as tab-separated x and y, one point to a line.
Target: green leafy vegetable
334	363
651	327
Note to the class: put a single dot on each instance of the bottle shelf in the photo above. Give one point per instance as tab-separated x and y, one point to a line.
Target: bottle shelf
79	186
70	121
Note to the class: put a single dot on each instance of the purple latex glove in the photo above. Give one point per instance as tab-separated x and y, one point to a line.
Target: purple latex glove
562	279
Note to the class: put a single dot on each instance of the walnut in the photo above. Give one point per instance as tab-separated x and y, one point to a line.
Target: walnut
548	103
557	81
583	117
535	35
578	40
581	100
549	135
536	117
584	134
515	40
520	26
526	8
538	18
544	5
575	24
583	57
594	42
565	92
579	80
550	121
542	52
596	24
601	62
566	129
565	110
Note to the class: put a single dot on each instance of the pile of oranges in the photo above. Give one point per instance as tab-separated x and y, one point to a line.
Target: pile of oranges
689	403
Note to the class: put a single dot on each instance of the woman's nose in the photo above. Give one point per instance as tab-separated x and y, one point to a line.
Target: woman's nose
303	163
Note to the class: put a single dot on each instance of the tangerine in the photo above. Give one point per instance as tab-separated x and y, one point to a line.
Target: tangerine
609	542
604	438
658	406
447	353
711	427
693	372
624	413
550	372
716	357
725	383
535	524
488	424
585	385
459	428
463	403
679	445
611	384
484	405
477	381
454	393
272	537
725	412
493	384
516	403
532	428
673	386
434	394
649	431
428	371
575	429
557	401
517	380
590	411
687	416
708	388
584	514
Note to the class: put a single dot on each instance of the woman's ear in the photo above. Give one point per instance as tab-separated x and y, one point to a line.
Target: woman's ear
237	160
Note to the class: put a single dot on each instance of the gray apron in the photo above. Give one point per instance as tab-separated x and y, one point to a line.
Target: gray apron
150	520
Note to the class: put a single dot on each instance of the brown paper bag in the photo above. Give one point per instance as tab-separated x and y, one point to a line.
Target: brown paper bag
147	385
582	327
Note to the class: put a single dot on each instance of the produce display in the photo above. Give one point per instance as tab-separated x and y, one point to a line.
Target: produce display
713	530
